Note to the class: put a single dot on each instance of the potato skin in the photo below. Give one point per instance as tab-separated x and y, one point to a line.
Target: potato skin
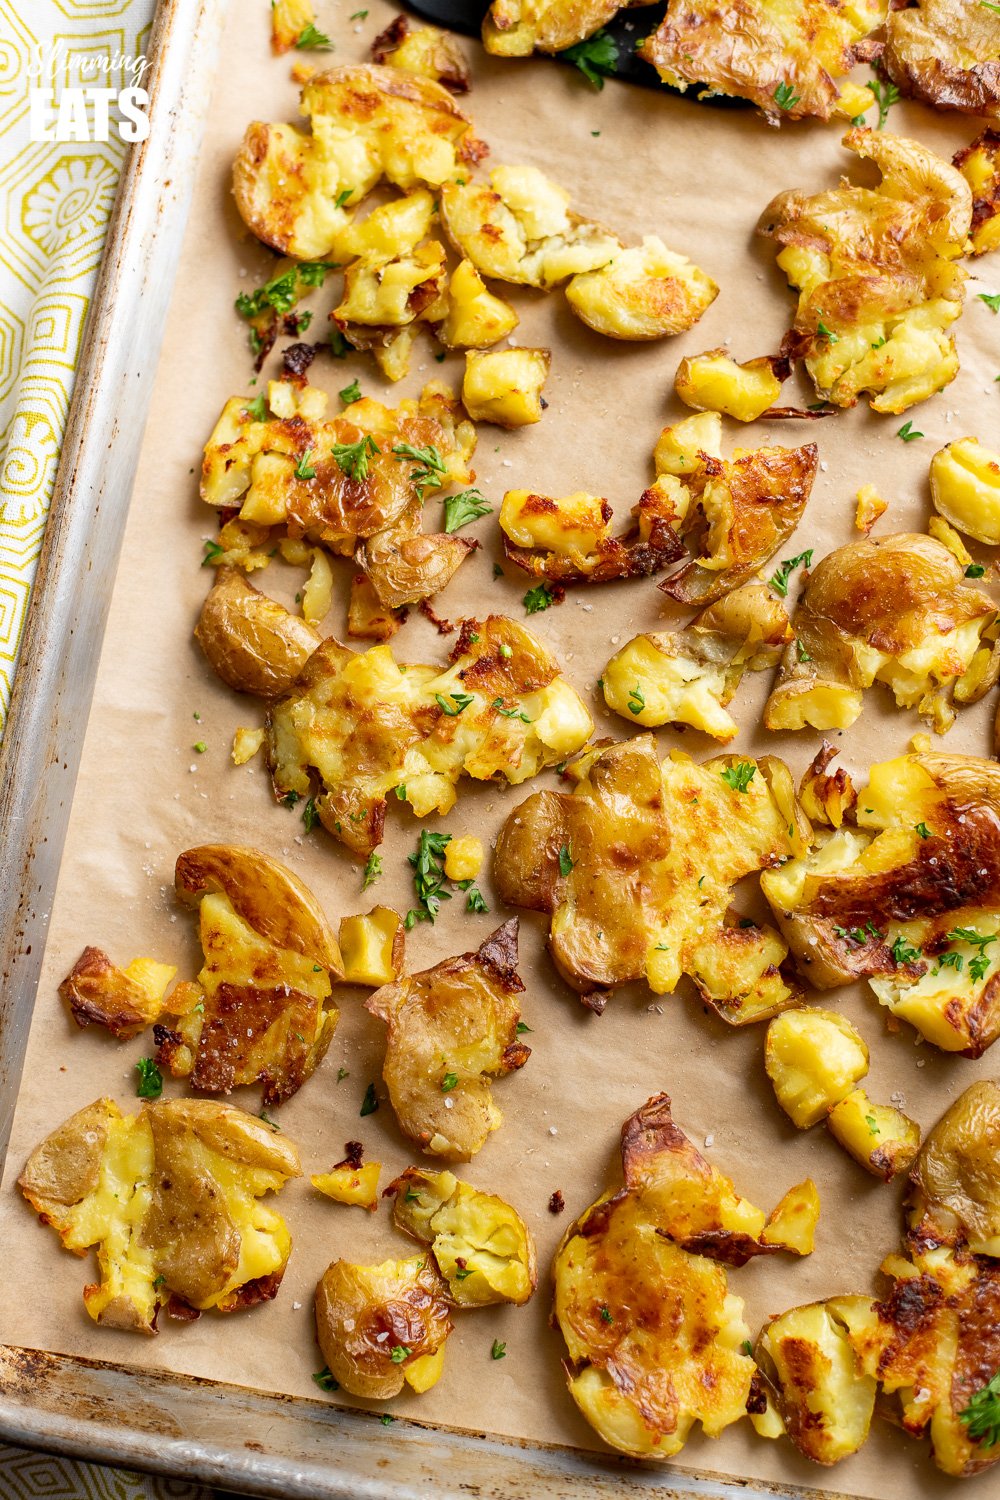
946	54
356	1304
954	1191
252	642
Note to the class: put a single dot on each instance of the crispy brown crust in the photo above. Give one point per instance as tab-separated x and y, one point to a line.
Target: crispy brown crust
100	994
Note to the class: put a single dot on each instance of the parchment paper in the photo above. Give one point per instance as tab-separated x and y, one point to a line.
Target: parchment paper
698	177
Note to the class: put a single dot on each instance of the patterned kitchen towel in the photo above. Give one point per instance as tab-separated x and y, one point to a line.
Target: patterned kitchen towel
37	1476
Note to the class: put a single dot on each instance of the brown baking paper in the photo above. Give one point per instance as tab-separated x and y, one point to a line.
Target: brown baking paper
698	177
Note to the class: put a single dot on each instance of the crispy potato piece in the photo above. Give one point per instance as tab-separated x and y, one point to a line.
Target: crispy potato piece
123	1001
870	508
367	617
481	1245
515	28
369	726
826	799
372	946
369	123
880	1137
406	564
954	1196
877	274
505	385
737	511
895	610
352	1181
520	229
965	488
637	869
713	381
476	317
390	230
654	1336
979	164
463	858
813	1058
263	1013
426	51
358	1306
646	292
383	294
824	1400
450	1029
170	1199
289	19
252	642
785	59
569	540
907	898
947	54
691	675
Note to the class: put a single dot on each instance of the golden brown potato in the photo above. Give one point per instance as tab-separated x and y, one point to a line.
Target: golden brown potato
979	164
713	381
170	1199
645	292
691	675
505	385
425	51
481	1245
380	1327
450	1029
367	617
879	1136
372	946
569	540
294	191
896	610
637	867
813	1058
965	488
386	293
370	727
785	59
947	54
654	1337
289	19
877	274
405	564
352	1181
954	1196
907	898
476	317
124	1001
869	509
824	798
515	28
252	642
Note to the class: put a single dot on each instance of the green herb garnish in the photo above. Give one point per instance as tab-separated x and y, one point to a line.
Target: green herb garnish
150	1085
460	510
596	57
739	776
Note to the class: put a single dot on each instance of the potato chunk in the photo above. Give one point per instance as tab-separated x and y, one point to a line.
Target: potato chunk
481	1245
877	274
637	867
653	1334
372	947
647	292
954	1196
463	858
124	1001
979	164
691	675
896	610
569	540
450	1029
824	1398
358	1306
880	1137
476	317
169	1197
425	51
947	54
352	1181
965	488
515	28
813	1058
715	382
368	123
505	386
252	642
370	727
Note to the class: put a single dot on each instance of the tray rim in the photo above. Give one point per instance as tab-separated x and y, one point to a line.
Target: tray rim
39	758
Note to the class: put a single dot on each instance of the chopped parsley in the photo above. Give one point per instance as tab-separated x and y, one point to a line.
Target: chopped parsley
498	1350
475	900
566	860
428	876
325	1380
309	39
521	1028
342	1073
886	95
636	701
448	1082
257	409
387	1419
747	1348
200	747
460	510
460	701
992	300
872	1124
779	580
213	551
975	570
400	1353
150	1085
952	961
310	816
343	197
827	333
263	1115
537	599
908	432
509	713
606	1315
739	776
353	457
373	870
903	952
369	1103
350	393
462	1272
339	347
430	467
785	97
801	652
596	57
304	469
923	830
982	1415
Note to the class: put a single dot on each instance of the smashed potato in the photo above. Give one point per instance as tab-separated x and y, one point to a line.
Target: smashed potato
250	641
879	1136
569	540
907	897
370	727
636	870
946	53
691	675
170	1199
954	1196
979	164
425	51
450	1029
294	191
124	1001
383	1327
646	292
476	317
896	610
289	19
877	274
515	28
784	59
505	385
813	1058
481	1245
965	488
352	1181
715	382
372	946
654	1336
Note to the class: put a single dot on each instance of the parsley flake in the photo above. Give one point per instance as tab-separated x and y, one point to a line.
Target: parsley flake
460	701
400	1353
566	860
886	95
310	816
304	469
150	1085
785	97
373	870
428	875
352	458
309	39
537	599
923	830
498	1350
460	510
448	1082
975	570
596	57
430	468
636	701
908	432
779	580
982	1415
739	776
325	1380
475	901
350	393
992	300
370	1102
903	952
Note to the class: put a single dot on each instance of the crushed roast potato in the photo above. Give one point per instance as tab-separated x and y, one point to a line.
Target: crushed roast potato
481	1245
979	164
882	1138
569	540
965	488
785	59
352	1181
896	610
655	1340
713	381
170	1198
124	1001
425	51
814	1058
289	19
515	28
371	728
636	870
877	274
295	190
947	54
475	316
870	508
449	1030
905	896
383	1327
691	675
645	292
251	642
372	946
954	1196
504	386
